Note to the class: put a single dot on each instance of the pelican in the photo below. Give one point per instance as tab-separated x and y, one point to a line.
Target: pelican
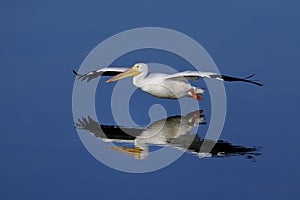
171	86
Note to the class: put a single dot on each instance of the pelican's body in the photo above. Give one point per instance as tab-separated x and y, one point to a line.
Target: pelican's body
172	86
167	89
159	86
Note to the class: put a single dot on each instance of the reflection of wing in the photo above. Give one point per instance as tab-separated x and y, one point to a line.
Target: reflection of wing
107	132
88	124
195	75
107	71
221	149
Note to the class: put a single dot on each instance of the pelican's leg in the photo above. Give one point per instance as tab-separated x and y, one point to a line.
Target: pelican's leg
194	95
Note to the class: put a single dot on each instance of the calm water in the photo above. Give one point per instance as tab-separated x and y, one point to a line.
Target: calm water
41	153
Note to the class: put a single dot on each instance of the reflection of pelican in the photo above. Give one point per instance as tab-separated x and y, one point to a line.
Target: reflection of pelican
172	131
163	132
160	85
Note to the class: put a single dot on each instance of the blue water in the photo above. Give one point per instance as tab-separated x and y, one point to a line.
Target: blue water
41	153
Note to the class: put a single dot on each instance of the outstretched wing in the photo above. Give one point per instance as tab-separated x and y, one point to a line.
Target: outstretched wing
195	75
107	71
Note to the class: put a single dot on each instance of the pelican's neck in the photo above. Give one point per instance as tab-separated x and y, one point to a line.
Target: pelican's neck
138	80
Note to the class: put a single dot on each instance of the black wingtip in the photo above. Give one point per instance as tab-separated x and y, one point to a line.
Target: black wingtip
231	79
74	72
79	76
260	84
253	81
249	76
256	83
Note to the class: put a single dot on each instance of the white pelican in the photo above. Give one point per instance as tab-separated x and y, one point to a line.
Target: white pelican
172	86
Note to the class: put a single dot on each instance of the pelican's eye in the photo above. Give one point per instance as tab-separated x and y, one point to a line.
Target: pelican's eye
137	66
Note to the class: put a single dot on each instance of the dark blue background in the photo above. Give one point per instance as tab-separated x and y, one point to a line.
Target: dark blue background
41	154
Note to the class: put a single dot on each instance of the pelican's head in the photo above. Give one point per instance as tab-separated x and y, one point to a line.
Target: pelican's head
133	71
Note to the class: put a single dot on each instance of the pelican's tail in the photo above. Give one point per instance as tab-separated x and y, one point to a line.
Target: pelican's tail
198	90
